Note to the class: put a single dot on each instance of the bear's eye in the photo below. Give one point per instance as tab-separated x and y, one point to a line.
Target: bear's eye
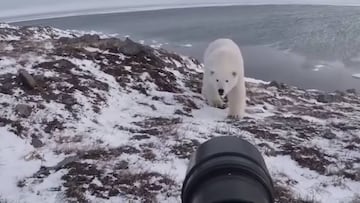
234	74
217	80
227	81
212	72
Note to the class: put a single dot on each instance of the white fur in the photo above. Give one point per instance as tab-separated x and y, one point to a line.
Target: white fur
221	59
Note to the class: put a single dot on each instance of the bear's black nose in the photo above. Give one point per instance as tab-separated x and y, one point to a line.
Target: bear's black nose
221	92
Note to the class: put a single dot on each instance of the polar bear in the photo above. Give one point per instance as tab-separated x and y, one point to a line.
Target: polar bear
224	76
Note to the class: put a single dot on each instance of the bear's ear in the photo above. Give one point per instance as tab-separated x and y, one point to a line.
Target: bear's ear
234	73
212	72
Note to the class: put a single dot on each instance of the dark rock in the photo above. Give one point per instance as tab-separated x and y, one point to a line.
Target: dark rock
340	93
39	78
65	162
140	137
350	147
36	142
6	87
4	121
88	38
64	64
40	106
113	192
27	79
53	125
68	100
17	128
65	40
153	107
351	91
131	48
23	110
179	112
250	103
277	85
45	171
187	101
4	104
148	154
328	134
345	126
269	151
311	158
21	183
185	149
111	44
96	109
125	149
329	98
55	189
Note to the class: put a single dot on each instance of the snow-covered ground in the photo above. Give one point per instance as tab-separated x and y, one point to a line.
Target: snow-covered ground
112	121
18	10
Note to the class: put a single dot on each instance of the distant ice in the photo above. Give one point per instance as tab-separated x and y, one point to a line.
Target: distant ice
156	46
318	67
356	76
252	80
187	45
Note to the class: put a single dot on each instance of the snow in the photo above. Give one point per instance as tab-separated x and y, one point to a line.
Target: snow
7	64
313	120
18	10
91	49
308	181
9	38
8	48
16	163
44	191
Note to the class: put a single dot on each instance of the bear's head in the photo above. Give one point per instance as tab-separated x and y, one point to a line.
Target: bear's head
224	81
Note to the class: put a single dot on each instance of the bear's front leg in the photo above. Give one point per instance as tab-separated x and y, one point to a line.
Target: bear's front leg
213	98
234	117
237	102
218	103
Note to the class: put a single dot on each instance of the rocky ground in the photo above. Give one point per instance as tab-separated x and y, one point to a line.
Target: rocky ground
91	118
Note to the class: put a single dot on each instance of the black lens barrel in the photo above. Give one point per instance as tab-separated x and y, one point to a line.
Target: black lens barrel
227	170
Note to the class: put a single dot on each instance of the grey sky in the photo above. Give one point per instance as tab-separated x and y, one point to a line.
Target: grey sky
12	10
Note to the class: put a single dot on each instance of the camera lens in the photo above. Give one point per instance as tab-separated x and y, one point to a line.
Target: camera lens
227	170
